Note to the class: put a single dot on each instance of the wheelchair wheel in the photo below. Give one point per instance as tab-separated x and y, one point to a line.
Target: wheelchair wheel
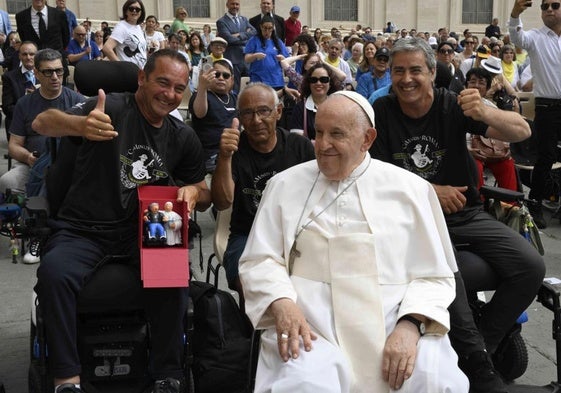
511	358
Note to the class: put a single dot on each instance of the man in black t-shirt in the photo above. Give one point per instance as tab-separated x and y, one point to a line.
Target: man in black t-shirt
111	135
247	160
423	130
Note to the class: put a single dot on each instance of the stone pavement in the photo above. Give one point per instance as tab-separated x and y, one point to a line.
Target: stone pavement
17	280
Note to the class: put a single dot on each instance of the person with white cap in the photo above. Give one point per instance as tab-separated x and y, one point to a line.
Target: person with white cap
341	307
417	113
494	66
292	26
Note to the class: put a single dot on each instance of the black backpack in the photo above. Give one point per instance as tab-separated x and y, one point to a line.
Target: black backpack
221	341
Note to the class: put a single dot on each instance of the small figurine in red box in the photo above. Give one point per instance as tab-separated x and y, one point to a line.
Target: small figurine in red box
155	219
173	225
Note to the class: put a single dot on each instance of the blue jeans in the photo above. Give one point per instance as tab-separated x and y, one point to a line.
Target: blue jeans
234	250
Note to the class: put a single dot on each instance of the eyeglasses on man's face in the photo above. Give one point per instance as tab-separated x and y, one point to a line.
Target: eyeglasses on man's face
554	6
446	51
48	72
262	112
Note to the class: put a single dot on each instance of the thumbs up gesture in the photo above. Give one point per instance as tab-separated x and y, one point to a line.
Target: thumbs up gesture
230	139
98	123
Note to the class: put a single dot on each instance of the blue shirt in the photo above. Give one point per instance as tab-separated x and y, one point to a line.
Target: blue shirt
368	83
267	70
74	48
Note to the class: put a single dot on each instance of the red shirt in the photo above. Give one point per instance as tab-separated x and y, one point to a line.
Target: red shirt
292	29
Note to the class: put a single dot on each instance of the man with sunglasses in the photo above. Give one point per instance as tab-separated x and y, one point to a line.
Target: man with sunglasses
247	160
25	145
545	59
212	107
379	77
81	48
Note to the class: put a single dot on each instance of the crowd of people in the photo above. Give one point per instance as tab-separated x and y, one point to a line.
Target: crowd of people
353	129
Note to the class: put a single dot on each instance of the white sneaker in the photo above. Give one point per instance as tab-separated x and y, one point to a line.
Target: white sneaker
30	259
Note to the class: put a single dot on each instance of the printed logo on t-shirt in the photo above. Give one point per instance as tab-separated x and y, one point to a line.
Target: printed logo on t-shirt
421	155
259	183
141	165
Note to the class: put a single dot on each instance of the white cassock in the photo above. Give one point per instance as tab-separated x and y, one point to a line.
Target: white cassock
173	236
379	251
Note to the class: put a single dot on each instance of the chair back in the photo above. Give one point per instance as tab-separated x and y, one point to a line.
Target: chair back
111	76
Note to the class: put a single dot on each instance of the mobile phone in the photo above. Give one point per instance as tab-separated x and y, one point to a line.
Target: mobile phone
206	64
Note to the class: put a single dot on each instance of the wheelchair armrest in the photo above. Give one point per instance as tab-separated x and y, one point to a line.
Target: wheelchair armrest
501	194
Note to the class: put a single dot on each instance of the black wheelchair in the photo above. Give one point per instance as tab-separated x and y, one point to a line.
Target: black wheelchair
113	332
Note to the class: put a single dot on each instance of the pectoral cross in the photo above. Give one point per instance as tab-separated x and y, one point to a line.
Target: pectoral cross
294	253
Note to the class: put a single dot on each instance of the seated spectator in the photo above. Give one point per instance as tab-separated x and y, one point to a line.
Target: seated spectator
25	145
213	107
83	233
510	65
246	162
334	59
18	82
98	38
503	170
196	50
368	83
80	48
295	78
367	63
424	131
445	55
356	58
371	323
319	82
207	36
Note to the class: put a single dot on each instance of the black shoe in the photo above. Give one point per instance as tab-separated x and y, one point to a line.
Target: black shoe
483	378
68	388
536	211
168	385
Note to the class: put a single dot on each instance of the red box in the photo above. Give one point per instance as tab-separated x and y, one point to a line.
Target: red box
163	266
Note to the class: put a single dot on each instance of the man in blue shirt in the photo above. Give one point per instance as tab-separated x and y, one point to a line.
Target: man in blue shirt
82	48
380	77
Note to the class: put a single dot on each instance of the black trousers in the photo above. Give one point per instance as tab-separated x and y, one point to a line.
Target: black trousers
519	268
547	124
69	257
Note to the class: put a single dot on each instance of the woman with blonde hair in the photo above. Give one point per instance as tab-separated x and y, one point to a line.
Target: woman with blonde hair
207	35
367	63
179	23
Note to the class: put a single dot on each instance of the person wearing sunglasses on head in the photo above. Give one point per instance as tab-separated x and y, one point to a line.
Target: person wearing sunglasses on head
212	107
544	52
319	82
127	42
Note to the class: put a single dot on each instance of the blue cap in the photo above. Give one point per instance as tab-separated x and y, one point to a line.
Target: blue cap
295	9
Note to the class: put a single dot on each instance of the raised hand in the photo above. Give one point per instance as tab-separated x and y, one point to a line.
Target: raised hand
98	123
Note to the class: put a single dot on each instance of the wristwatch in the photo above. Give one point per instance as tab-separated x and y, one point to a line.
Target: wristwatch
420	325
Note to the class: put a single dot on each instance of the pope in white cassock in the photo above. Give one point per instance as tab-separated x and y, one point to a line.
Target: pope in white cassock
348	269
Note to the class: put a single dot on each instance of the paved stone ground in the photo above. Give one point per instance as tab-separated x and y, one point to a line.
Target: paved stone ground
17	280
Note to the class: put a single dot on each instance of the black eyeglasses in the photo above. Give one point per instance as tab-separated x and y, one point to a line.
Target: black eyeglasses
446	51
262	112
470	42
135	9
322	79
48	72
225	75
554	6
